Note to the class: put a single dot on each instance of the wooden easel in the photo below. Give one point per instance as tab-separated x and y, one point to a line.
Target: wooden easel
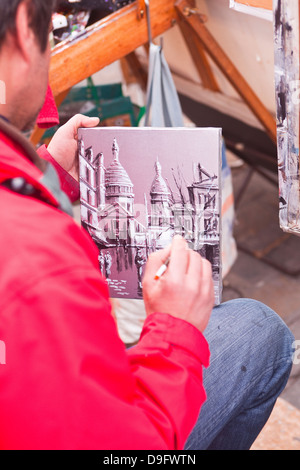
202	37
121	33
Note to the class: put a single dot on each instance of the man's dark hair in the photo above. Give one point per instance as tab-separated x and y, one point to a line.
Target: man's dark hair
39	12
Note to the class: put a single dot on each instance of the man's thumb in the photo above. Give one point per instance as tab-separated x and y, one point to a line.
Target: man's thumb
90	121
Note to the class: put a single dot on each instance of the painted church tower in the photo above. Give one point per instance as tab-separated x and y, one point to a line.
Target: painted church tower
160	199
119	188
101	181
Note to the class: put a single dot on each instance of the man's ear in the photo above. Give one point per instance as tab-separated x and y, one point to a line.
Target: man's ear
24	35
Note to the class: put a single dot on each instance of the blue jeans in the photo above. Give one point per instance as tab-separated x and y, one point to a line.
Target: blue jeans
251	360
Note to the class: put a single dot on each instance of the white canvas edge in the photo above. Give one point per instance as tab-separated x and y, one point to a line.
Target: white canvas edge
258	12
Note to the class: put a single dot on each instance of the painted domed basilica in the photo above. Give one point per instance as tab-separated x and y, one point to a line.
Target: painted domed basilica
112	218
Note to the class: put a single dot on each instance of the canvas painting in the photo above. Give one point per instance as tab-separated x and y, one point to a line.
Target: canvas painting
140	187
287	53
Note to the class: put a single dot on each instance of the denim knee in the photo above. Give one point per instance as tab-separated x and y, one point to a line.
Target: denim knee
253	312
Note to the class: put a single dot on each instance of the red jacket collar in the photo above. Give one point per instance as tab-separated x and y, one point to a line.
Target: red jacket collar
19	158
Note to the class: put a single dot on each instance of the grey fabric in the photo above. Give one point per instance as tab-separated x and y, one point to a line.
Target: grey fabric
163	105
51	181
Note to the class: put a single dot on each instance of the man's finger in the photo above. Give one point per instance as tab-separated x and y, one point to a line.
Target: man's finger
80	120
155	261
89	122
195	268
179	260
207	278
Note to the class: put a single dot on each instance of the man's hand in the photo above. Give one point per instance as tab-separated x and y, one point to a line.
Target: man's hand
185	290
63	146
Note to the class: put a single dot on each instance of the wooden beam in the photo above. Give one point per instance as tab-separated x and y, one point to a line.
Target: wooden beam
199	56
137	72
229	69
112	38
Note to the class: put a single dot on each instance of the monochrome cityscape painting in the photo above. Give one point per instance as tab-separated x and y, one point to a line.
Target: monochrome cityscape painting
141	186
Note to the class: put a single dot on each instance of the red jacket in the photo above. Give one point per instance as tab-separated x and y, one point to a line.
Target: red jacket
67	381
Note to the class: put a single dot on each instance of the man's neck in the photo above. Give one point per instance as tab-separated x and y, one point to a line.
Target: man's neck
18	138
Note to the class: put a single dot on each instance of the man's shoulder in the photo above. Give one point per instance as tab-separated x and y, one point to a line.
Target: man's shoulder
36	237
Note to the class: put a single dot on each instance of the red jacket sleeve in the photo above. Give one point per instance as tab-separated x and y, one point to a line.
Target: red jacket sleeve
167	364
69	383
68	184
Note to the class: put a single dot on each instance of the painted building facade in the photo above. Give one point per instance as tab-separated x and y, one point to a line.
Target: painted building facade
108	209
